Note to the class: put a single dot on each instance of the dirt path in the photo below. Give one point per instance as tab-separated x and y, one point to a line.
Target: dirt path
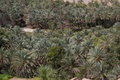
19	79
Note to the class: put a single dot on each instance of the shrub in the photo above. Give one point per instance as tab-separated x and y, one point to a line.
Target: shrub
55	55
5	77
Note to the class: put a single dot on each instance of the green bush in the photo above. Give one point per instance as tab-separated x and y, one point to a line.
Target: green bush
55	55
4	77
52	24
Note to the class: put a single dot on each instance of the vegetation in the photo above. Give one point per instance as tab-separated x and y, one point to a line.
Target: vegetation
71	40
4	77
57	14
47	73
55	55
92	53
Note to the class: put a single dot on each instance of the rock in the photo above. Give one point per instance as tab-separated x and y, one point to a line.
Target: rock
28	30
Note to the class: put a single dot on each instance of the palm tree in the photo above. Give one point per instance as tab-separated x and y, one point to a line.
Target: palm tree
47	73
116	72
4	61
70	65
23	64
98	72
96	55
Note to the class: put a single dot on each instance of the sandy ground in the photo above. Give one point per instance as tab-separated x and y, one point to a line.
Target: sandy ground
31	79
27	29
19	79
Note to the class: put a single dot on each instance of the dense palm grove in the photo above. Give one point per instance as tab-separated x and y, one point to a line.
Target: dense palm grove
70	40
57	14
